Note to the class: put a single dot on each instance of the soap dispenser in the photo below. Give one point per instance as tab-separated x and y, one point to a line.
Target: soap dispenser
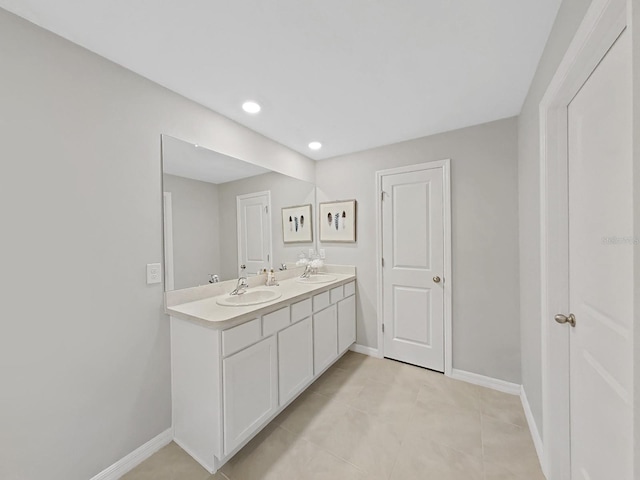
271	279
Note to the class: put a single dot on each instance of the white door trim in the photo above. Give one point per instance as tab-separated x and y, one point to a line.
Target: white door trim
167	208
245	196
445	165
603	23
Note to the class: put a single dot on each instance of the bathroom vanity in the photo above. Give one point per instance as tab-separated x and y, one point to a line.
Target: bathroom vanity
234	368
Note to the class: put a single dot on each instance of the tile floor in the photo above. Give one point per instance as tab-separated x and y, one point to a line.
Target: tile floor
367	418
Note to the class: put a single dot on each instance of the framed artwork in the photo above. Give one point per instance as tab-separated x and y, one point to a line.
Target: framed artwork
338	221
297	224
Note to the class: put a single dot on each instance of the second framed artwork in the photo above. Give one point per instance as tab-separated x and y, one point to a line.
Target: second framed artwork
338	221
297	224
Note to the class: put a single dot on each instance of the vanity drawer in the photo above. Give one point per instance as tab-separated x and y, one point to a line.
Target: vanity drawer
274	321
300	310
321	301
337	294
349	289
237	338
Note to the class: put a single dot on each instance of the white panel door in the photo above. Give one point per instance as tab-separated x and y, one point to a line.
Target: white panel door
601	270
295	359
250	391
254	231
413	263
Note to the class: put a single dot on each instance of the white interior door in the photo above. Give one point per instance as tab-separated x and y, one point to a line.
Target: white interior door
413	266
601	270
254	231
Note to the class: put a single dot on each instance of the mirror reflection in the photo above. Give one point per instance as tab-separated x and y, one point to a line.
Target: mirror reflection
222	214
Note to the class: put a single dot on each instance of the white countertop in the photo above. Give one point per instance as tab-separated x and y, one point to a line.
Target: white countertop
208	313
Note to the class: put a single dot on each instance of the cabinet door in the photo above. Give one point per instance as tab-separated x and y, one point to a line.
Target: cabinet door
295	359
325	338
346	323
250	383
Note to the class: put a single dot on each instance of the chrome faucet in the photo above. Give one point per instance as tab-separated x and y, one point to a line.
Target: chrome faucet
241	286
307	271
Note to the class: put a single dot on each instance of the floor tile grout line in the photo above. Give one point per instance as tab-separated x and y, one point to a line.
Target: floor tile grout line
360	469
296	436
495	419
466	454
324	449
404	437
306	464
458	450
484	461
336	455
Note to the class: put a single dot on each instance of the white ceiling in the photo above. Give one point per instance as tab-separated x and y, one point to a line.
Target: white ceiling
191	161
351	74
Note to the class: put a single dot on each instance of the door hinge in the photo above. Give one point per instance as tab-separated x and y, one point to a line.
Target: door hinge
383	328
382	261
382	194
266	209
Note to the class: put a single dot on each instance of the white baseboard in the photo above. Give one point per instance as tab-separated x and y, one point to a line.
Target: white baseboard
493	383
135	458
533	428
372	352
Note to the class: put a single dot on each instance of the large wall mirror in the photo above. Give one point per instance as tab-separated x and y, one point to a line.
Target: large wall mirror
221	213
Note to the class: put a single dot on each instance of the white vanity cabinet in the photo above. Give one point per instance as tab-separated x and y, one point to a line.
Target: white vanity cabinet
346	323
295	359
228	383
325	338
334	324
250	389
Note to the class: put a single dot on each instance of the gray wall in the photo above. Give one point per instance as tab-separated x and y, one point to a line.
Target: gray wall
196	246
486	330
84	347
569	17
636	212
285	192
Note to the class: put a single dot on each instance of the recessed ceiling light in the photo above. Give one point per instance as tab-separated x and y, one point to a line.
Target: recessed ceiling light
315	145
251	107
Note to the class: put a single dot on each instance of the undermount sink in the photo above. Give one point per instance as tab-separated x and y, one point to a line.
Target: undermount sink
318	278
250	297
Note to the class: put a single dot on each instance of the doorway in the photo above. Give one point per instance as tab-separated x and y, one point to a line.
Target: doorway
588	253
254	232
414	273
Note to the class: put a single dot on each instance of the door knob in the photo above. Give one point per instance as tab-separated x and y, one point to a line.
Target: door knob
571	319
436	279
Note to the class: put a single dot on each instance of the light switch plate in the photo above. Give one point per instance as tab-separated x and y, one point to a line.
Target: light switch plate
154	273
322	253
311	252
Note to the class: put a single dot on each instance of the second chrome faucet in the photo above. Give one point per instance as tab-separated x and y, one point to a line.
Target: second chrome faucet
241	286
